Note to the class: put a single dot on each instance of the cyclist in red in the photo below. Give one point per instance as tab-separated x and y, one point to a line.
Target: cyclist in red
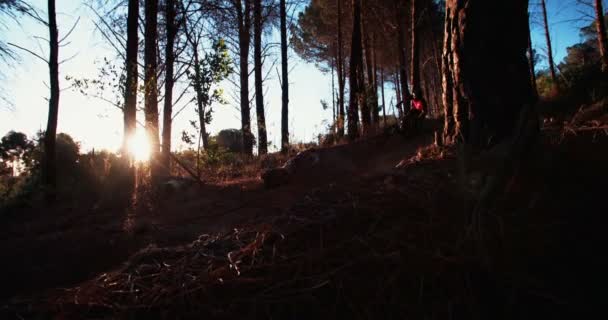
417	111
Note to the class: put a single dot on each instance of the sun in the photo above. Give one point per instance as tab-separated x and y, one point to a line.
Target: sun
139	146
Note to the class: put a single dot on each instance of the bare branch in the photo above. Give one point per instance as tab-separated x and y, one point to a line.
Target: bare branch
70	31
29	51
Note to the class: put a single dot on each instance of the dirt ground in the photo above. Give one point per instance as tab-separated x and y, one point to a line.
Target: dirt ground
59	247
390	243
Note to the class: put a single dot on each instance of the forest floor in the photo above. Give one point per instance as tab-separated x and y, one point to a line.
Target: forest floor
368	240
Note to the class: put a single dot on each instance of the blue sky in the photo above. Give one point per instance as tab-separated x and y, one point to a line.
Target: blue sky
97	124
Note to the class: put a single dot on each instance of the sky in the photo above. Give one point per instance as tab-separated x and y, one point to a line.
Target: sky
97	124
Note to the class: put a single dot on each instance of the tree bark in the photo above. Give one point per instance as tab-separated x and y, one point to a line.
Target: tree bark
364	86
383	100
355	76
202	112
333	95
400	20
376	109
285	82
244	21
447	82
487	106
415	61
151	89
130	109
169	83
549	46
50	136
371	101
259	85
531	61
398	92
341	74
601	34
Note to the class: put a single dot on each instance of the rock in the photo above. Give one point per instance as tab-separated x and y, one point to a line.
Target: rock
231	140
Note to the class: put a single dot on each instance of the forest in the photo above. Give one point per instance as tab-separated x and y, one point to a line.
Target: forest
454	164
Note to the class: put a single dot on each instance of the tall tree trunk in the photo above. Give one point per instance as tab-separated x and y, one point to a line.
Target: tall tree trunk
131	66
202	113
151	88
549	46
169	82
447	82
398	96
371	101
415	67
50	136
244	21
400	20
341	74
486	105
285	79
364	86
259	85
531	61
382	90
333	95
601	34
376	109
355	67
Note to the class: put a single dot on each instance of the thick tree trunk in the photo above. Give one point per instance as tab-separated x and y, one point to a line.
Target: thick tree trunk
376	108
486	105
202	113
398	96
333	95
285	80
549	46
415	63
355	67
259	85
50	136
371	101
151	89
364	86
130	110
169	83
447	82
341	74
400	20
531	61
244	21
601	34
383	100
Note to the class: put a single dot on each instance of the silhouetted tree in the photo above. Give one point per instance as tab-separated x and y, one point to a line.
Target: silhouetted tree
548	40
171	34
150	84
402	51
601	34
259	85
532	61
284	79
486	106
356	66
243	9
415	66
50	165
131	65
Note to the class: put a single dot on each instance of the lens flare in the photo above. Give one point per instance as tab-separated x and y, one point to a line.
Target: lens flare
139	146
